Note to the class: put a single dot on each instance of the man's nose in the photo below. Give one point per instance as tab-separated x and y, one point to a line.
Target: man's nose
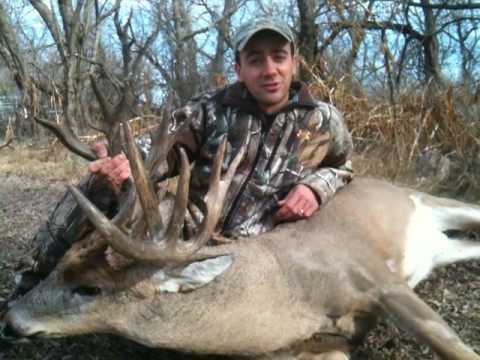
269	67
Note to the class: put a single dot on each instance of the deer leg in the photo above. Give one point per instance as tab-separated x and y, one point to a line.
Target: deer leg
458	216
430	242
412	314
458	250
432	249
449	214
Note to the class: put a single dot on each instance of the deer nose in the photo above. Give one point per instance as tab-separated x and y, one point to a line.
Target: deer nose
5	344
8	332
9	336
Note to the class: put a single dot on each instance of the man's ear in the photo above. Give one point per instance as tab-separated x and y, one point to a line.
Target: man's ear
237	71
296	65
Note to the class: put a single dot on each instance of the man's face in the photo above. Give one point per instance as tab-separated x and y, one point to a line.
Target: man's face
267	67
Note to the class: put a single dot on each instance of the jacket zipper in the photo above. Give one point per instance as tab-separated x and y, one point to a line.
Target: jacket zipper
229	216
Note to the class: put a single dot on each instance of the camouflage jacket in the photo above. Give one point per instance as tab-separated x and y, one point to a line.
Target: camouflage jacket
305	143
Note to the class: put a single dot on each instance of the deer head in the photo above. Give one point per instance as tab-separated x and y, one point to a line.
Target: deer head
146	230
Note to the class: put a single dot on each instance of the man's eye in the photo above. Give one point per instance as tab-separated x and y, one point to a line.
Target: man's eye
254	61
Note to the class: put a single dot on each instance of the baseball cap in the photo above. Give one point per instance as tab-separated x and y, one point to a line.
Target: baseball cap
247	30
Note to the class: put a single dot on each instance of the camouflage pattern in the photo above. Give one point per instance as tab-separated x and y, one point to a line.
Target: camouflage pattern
306	143
246	31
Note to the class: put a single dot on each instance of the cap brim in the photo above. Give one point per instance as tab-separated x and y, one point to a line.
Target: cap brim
247	38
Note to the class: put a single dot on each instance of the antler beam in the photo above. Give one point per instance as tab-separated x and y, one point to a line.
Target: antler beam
68	139
160	245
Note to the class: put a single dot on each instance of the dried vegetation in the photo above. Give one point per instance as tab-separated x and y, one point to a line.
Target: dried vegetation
428	141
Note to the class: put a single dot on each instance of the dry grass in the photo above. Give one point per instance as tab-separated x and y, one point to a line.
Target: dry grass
49	163
401	141
48	159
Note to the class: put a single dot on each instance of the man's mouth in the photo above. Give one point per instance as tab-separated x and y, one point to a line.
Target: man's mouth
271	87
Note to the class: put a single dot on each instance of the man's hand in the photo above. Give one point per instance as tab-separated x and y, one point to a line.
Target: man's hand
116	170
115	260
300	203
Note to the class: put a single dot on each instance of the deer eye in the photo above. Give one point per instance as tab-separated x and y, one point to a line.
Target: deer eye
87	291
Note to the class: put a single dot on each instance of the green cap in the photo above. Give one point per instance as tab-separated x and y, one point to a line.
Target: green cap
247	30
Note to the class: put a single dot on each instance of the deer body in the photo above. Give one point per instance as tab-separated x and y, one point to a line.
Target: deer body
311	286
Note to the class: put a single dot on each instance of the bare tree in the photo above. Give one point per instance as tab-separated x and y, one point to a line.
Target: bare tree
69	27
185	58
124	83
80	60
308	34
218	64
430	44
12	56
175	56
417	26
90	62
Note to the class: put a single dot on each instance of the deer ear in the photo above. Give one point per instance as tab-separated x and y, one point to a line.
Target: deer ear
193	276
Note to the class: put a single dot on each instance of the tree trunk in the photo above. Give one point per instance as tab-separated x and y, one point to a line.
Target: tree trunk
308	36
217	77
187	79
430	46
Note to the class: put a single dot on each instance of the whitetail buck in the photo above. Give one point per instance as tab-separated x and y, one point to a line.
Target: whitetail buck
309	289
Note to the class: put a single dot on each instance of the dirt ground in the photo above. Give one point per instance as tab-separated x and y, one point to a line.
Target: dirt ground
24	202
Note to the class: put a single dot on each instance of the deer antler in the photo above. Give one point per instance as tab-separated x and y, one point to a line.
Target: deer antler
68	139
160	244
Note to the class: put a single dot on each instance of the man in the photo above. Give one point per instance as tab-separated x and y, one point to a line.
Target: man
297	157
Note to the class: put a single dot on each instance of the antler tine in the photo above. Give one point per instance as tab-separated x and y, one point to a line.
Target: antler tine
106	228
216	193
143	185
162	142
181	199
68	139
115	237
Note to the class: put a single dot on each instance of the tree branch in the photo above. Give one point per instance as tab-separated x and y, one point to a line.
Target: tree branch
52	25
213	25
446	6
382	25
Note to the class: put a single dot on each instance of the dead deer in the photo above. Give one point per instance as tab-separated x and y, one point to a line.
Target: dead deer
308	289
